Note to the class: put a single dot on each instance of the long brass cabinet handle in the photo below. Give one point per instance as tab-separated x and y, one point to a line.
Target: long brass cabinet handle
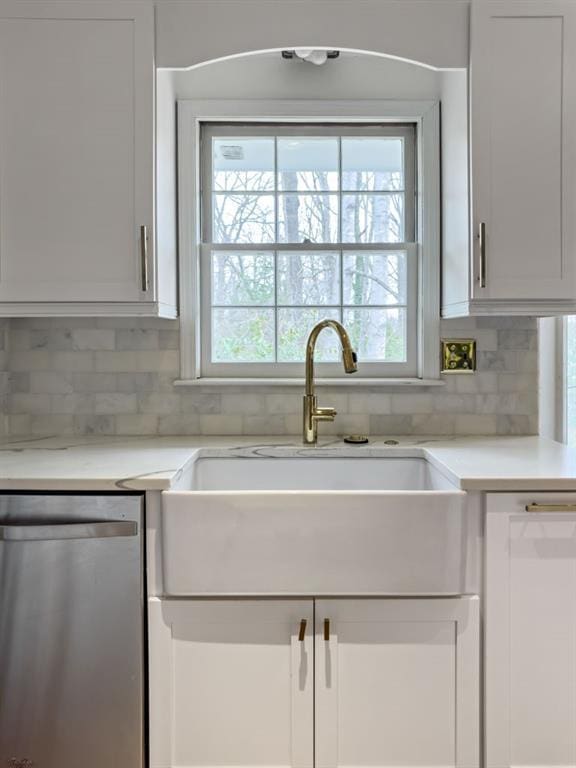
144	256
302	631
550	507
327	630
482	245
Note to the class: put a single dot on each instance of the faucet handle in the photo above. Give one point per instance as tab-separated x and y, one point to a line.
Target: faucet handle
324	414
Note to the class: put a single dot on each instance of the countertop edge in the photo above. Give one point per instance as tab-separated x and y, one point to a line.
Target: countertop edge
157	464
519	485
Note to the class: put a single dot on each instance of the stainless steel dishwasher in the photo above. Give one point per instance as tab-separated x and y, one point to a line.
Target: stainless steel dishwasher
71	631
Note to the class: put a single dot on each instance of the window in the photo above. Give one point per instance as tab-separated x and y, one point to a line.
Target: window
301	223
286	221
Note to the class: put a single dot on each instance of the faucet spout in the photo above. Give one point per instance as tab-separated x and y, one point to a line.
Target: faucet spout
313	413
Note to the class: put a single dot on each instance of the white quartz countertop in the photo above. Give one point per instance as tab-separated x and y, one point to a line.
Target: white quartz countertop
156	463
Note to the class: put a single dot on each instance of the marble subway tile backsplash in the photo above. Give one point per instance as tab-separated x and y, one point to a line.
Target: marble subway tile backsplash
4	378
115	376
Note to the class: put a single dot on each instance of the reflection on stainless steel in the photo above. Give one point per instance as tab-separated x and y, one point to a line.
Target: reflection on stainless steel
71	631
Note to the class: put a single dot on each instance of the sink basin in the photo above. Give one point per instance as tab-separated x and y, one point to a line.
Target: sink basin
313	526
316	474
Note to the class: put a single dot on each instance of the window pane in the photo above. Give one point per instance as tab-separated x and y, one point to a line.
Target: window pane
243	218
372	164
377	334
307	165
242	335
269	194
375	277
243	278
307	218
309	278
243	165
294	326
373	218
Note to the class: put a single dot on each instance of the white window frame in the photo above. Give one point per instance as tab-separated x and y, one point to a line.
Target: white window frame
552	390
425	116
372	369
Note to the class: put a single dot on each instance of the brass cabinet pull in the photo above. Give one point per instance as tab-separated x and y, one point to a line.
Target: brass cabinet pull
302	632
326	630
550	507
482	244
144	256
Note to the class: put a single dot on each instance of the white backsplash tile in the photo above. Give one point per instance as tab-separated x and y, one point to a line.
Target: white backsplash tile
74	403
92	338
369	402
476	424
94	425
412	403
138	338
137	424
32	403
221	424
179	424
115	376
111	403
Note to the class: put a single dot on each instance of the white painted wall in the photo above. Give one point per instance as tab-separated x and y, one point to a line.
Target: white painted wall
166	225
434	32
269	76
551	405
455	187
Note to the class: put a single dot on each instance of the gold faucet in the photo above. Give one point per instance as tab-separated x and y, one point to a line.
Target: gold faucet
313	413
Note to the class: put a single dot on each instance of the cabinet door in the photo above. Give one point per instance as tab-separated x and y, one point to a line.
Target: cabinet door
523	123
231	683
530	632
76	151
397	682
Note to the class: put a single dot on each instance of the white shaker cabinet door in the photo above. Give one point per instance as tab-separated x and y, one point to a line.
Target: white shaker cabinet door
530	630
397	682
231	683
523	150
76	151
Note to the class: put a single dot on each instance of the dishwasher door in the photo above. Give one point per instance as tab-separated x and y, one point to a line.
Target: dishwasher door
71	631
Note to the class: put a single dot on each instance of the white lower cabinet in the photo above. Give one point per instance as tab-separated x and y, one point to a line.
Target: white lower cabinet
397	682
531	630
231	684
364	682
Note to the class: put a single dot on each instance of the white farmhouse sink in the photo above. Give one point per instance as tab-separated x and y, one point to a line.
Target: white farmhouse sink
316	474
314	526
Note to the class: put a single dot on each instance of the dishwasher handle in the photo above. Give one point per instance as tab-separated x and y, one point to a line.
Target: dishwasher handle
61	531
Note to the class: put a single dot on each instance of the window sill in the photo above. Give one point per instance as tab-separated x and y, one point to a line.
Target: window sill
349	381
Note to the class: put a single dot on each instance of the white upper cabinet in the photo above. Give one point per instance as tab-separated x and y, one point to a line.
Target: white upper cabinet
77	212
522	125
